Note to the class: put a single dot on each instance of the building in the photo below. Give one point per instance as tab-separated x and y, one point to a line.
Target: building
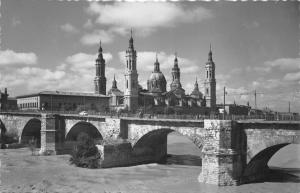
131	78
100	79
134	97
210	83
156	94
63	101
156	98
234	109
6	102
116	97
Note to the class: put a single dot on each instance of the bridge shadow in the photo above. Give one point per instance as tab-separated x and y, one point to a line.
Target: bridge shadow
283	175
189	160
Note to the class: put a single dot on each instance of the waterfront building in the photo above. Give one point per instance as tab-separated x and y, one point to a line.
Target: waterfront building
63	101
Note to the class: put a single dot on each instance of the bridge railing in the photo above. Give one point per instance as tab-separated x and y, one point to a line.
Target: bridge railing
266	117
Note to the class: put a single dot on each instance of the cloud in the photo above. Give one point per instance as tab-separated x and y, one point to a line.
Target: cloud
292	76
83	61
15	22
262	69
69	28
10	57
146	17
88	24
284	63
97	36
46	73
251	25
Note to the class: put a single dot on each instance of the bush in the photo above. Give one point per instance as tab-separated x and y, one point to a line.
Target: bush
85	153
32	145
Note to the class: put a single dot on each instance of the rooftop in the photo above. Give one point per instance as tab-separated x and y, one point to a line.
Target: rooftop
64	93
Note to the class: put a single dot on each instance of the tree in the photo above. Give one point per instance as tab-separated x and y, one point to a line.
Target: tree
85	153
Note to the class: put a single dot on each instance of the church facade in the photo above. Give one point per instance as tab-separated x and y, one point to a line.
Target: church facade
156	96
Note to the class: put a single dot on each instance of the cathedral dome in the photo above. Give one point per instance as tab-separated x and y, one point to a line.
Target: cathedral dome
157	81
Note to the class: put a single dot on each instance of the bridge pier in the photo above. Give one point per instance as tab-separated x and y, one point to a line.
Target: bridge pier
221	157
48	133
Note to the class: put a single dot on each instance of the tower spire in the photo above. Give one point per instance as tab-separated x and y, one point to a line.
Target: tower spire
114	83
100	80
131	40
100	48
210	53
176	60
156	65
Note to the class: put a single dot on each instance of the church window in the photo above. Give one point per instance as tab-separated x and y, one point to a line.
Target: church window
206	74
207	91
127	63
127	84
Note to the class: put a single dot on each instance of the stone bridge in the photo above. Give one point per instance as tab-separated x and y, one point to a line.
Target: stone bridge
233	152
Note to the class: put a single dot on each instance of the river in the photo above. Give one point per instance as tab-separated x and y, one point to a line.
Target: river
21	172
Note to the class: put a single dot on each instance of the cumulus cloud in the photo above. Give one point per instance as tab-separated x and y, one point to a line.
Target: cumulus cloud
69	28
94	37
146	17
10	57
81	61
292	76
284	63
75	73
88	24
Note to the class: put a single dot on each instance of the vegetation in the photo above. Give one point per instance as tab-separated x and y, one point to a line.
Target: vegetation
85	153
32	145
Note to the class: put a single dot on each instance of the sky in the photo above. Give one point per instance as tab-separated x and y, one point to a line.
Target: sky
52	45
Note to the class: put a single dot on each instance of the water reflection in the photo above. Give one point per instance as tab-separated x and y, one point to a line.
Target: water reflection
190	160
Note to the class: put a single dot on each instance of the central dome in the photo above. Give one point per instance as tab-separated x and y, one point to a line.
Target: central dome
157	81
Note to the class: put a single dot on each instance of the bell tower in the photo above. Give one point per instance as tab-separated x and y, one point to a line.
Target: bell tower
100	80
131	78
210	83
175	75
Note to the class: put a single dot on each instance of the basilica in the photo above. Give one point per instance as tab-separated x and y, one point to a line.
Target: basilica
156	97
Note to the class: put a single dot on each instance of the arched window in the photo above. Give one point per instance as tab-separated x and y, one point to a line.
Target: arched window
207	91
127	84
206	74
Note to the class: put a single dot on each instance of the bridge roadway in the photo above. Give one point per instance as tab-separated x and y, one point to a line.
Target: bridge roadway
233	152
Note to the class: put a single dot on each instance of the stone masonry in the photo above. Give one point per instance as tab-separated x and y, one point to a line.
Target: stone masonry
232	152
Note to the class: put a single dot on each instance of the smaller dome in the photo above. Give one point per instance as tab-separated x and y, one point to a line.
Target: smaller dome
196	94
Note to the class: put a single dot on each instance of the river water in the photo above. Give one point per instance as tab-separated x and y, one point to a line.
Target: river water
21	172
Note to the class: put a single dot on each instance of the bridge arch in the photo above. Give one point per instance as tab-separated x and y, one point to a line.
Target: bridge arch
154	143
2	131
256	166
156	136
31	130
83	127
144	137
